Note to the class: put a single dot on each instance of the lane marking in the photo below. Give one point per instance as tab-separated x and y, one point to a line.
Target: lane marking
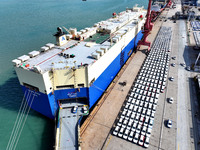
108	141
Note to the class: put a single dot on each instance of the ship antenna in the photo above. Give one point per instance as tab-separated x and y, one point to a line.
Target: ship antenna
66	29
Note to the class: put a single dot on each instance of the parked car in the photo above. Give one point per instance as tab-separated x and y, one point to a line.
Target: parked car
152	115
188	68
182	64
134	127
169	123
138	129
135	140
173	64
85	110
148	134
129	125
75	109
146	121
171	100
121	132
116	130
146	142
130	137
141	141
171	78
144	129
174	57
151	122
125	136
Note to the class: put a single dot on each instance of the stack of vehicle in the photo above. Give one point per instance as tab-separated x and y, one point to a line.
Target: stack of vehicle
135	122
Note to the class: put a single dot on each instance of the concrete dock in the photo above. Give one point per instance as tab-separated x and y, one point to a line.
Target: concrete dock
183	134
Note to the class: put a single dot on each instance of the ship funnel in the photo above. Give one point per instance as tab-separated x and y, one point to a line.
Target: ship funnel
60	37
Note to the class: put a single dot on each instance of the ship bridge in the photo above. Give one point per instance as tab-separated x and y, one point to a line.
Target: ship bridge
68	124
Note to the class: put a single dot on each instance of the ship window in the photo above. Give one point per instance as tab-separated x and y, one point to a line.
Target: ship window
33	88
66	86
80	85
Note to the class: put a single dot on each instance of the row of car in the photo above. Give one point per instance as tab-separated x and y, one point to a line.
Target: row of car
84	109
135	137
136	119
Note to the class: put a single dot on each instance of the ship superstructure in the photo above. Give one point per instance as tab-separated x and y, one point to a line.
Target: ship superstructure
81	65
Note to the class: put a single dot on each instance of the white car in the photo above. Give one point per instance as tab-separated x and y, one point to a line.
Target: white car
137	102
155	101
116	130
151	122
121	132
134	127
124	112
188	68
154	107
169	123
125	136
148	134
146	121
129	125
141	141
142	119
146	142
171	78
75	109
130	99
135	140
152	115
138	128
131	107
150	106
130	137
85	110
135	108
144	111
148	112
125	122
133	115
145	104
171	100
144	129
137	117
120	122
151	100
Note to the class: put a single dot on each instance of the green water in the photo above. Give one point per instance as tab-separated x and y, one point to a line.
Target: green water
26	25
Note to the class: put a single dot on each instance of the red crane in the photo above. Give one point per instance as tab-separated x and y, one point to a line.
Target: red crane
148	26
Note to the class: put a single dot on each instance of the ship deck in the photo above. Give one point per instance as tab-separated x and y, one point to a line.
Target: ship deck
96	132
115	29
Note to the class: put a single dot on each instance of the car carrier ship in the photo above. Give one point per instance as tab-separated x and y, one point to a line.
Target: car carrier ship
82	64
66	79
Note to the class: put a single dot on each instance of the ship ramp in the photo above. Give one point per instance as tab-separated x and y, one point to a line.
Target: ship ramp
67	133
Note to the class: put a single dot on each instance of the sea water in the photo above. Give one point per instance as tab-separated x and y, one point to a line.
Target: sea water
27	25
